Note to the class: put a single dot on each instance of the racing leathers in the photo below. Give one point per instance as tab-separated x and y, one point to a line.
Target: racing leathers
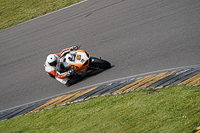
52	71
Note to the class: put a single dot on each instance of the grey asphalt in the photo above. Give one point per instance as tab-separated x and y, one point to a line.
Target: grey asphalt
137	36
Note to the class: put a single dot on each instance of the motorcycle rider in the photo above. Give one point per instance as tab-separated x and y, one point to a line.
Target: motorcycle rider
54	67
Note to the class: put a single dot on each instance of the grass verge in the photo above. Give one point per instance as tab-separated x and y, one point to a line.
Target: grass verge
13	12
173	109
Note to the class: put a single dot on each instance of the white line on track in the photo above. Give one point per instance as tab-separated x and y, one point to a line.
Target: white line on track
57	10
48	13
106	82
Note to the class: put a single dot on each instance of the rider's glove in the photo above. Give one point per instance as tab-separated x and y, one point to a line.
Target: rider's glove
70	72
74	47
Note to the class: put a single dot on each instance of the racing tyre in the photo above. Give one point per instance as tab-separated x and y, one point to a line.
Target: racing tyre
102	64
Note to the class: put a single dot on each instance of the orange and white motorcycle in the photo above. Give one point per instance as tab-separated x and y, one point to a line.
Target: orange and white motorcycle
82	62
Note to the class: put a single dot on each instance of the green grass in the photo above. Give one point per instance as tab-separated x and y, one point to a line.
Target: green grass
13	12
174	109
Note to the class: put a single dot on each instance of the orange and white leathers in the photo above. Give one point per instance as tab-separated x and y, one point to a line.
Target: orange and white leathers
51	70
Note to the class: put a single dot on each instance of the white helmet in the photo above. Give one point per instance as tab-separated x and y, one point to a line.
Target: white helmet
52	59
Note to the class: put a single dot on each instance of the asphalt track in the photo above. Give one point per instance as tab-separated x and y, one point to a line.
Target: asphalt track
137	36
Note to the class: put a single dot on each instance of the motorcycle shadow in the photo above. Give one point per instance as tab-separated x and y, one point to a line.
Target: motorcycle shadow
87	75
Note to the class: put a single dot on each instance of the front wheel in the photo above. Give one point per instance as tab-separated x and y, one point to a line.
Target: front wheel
96	62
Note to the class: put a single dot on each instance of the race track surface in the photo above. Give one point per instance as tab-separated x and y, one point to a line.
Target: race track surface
137	36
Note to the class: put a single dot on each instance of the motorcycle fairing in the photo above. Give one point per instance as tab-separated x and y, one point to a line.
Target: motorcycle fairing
78	58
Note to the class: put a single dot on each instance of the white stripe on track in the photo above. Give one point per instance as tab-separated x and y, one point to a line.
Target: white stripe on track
47	14
56	11
106	82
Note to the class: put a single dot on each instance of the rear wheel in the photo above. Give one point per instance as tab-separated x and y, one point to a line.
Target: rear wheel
96	62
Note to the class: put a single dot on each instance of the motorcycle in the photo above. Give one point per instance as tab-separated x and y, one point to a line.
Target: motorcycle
81	62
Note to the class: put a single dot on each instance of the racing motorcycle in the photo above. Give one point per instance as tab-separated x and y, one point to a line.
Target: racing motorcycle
81	62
